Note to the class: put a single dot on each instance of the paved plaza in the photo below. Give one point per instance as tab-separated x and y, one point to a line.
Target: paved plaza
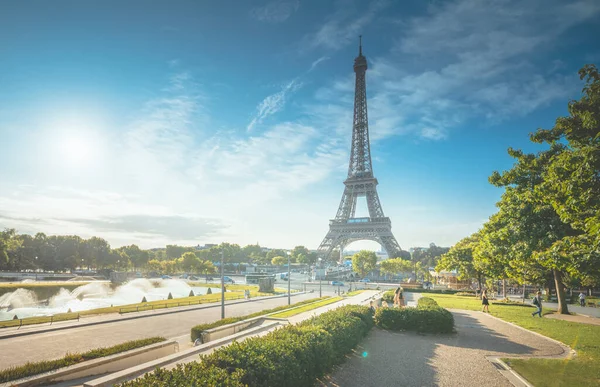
387	358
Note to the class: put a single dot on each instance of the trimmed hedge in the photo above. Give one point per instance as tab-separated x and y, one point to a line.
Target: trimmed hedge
426	317
465	294
388	296
30	369
433	291
198	329
295	355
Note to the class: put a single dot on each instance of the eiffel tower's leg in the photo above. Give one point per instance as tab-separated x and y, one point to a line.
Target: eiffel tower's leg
347	205
329	243
373	203
390	244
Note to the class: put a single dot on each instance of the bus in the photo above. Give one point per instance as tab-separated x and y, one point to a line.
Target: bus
252	279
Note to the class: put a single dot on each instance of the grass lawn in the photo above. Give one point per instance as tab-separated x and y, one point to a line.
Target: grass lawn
318	304
234	292
36	368
28	285
354	292
582	370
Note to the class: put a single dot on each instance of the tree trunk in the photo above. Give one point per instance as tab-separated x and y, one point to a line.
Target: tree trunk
560	293
503	287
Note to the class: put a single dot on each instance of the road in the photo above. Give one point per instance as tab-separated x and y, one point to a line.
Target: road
301	282
51	345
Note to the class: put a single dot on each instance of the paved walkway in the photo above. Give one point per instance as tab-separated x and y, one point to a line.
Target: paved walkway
408	359
586	311
578	318
51	345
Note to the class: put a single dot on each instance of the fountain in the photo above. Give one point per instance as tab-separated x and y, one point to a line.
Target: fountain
24	303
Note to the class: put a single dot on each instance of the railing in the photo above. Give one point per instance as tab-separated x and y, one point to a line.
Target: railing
39	320
359	221
167	305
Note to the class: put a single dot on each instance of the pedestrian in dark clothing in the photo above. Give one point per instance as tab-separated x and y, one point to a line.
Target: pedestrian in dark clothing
485	302
537	301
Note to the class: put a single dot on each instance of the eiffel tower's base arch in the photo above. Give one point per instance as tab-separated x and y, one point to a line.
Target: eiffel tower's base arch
342	233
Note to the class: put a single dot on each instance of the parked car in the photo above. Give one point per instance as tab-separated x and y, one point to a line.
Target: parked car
365	280
228	280
193	278
337	283
166	277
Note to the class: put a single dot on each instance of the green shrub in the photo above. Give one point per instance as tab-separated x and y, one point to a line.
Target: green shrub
30	369
388	296
426	302
198	329
426	317
290	356
192	374
433	291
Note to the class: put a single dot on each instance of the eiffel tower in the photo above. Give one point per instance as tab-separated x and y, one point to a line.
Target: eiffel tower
345	228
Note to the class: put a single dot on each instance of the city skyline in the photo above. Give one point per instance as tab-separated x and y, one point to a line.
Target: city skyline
204	123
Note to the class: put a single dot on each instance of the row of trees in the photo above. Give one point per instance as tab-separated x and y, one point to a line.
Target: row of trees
547	228
365	262
69	252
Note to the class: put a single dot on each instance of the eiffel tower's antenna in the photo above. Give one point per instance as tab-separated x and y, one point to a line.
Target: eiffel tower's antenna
359	45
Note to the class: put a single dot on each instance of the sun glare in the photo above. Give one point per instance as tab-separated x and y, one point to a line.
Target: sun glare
76	148
75	142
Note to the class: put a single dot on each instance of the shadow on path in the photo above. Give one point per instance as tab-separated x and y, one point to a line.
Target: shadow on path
387	358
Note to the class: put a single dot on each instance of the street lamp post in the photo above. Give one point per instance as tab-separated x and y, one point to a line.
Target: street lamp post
222	287
36	267
320	288
289	281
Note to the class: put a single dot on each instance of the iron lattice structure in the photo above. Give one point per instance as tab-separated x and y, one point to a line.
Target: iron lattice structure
345	228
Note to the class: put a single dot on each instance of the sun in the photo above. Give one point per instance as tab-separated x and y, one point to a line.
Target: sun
77	148
75	143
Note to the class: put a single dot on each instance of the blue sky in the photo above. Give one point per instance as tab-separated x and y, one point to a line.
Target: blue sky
200	122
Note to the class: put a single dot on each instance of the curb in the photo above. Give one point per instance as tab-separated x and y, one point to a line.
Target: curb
206	306
513	377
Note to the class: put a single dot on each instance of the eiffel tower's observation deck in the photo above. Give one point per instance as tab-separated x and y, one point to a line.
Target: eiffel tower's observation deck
345	228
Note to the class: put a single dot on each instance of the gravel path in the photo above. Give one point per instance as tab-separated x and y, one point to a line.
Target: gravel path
578	318
408	359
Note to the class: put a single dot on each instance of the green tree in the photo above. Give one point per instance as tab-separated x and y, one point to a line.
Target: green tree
296	251
572	181
303	259
395	265
364	262
189	262
536	227
278	261
174	251
460	257
206	267
154	265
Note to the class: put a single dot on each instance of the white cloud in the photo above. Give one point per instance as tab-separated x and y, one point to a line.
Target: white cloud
273	103
343	27
275	11
316	62
474	60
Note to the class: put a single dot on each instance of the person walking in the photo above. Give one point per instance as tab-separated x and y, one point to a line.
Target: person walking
537	301
581	298
398	298
485	302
